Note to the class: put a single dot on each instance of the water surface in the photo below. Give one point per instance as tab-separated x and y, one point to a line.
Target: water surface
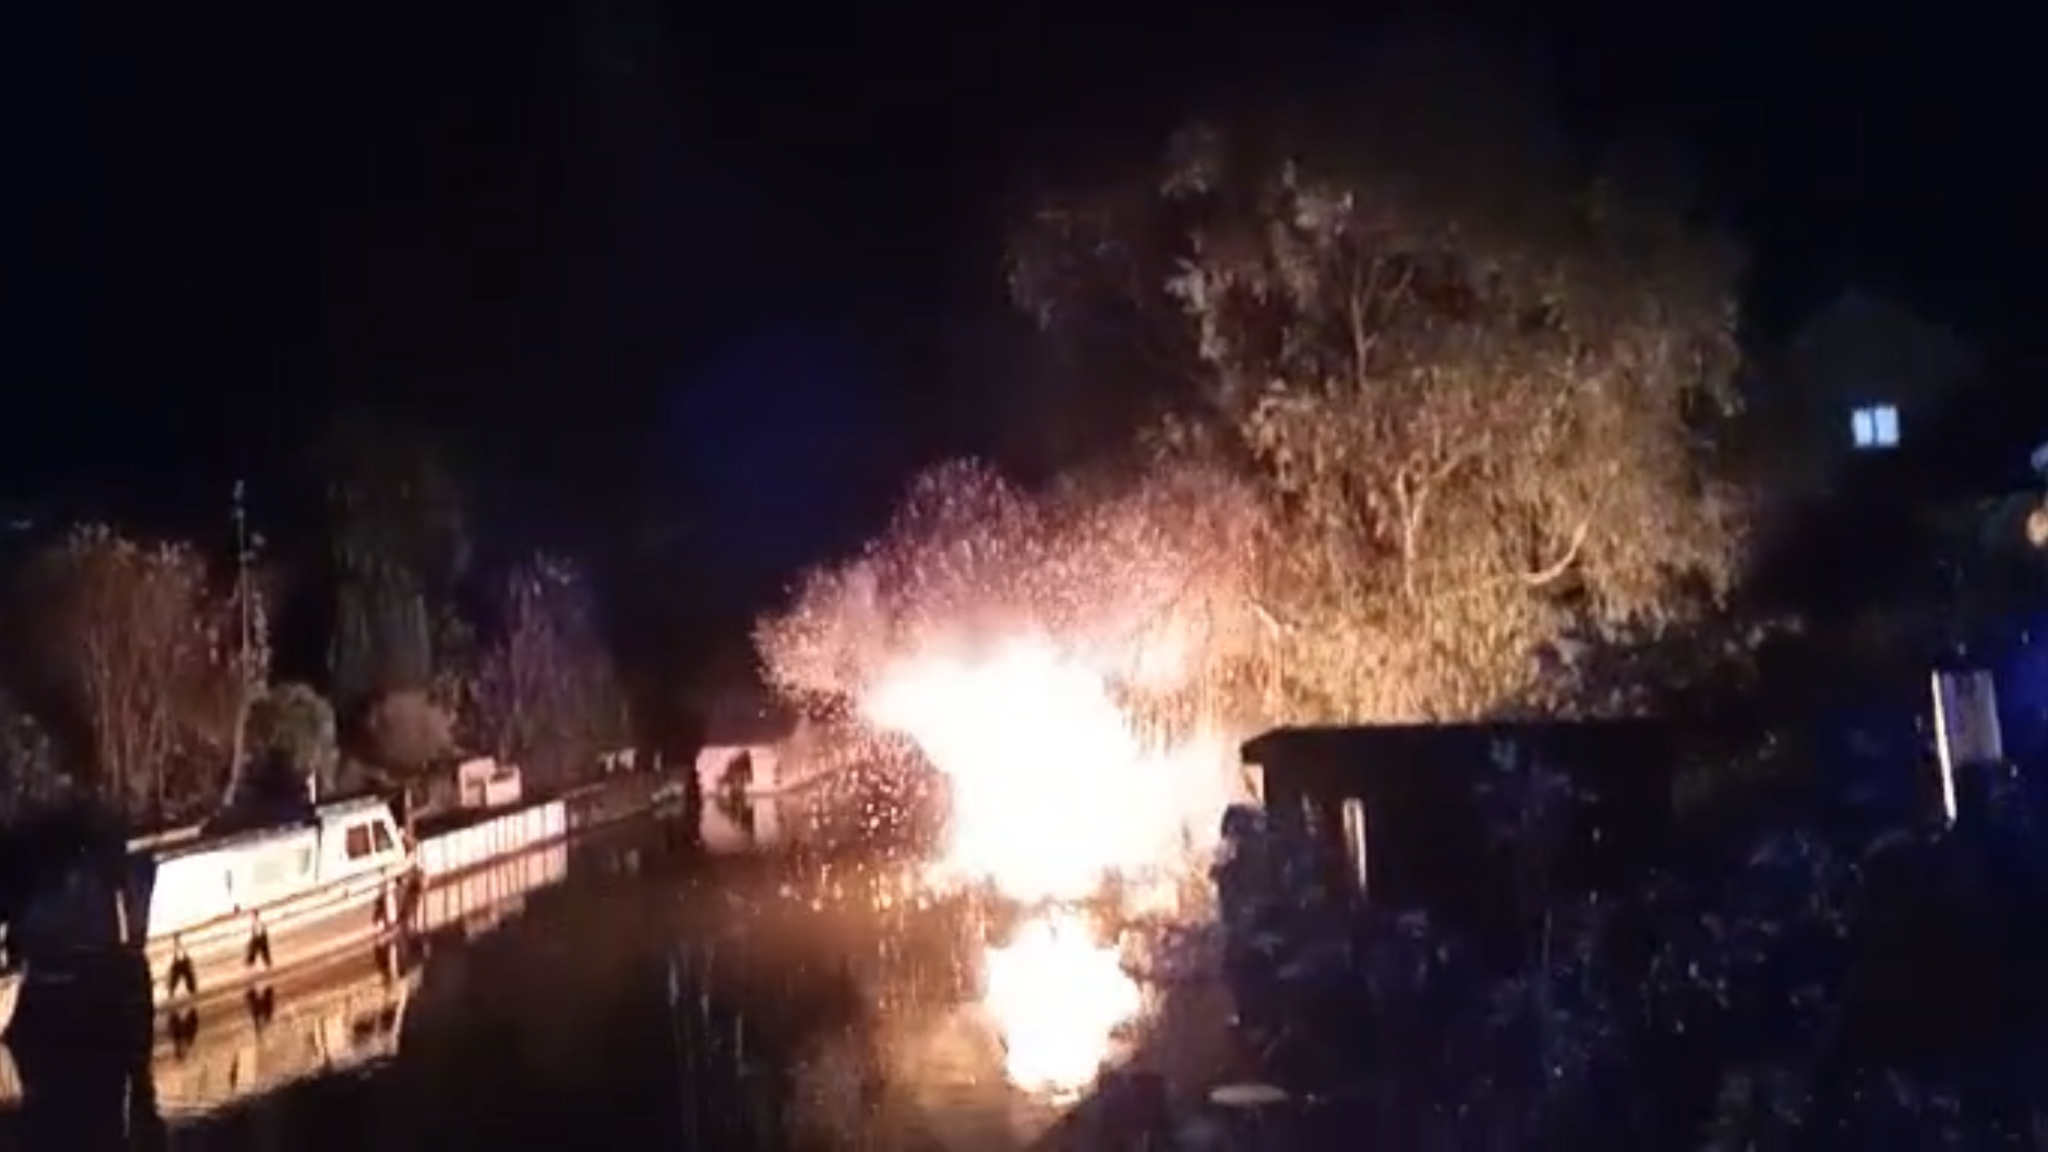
642	996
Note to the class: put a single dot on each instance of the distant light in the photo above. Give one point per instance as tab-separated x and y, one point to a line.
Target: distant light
1875	427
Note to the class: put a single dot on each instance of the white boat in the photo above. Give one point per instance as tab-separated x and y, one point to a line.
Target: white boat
207	915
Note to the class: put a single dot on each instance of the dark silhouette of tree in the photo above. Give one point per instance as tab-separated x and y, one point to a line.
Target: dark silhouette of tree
399	540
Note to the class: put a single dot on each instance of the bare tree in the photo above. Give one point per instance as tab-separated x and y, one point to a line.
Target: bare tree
142	653
548	696
1478	399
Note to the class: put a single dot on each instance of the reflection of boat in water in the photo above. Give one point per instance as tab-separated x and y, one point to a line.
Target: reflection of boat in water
737	823
10	1080
343	1019
315	1020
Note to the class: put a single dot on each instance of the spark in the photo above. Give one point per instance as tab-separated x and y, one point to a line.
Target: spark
1049	657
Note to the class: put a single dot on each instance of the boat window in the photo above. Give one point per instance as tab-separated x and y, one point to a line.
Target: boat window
357	844
281	867
383	835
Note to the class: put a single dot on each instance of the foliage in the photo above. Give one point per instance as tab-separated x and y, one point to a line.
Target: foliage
458	662
29	776
407	731
1484	428
294	727
547	695
381	641
395	500
1739	1001
146	658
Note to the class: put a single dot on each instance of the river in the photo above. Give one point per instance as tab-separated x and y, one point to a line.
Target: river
642	993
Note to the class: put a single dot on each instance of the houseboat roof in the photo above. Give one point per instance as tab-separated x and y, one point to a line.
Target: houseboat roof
1336	742
1404	755
203	843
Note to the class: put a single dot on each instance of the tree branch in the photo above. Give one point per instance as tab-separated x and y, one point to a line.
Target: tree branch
1564	562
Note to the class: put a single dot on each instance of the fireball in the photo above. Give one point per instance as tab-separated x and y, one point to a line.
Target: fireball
1053	794
1055	801
1000	633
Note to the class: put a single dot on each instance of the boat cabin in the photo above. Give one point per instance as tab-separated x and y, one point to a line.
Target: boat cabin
1425	817
209	878
163	891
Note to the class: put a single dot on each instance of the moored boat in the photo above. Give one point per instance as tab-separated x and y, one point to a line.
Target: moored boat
207	915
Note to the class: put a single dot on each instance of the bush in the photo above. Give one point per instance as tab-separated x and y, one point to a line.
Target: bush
293	727
1789	989
29	778
406	731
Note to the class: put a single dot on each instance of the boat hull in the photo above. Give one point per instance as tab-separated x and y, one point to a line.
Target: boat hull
490	839
227	955
211	918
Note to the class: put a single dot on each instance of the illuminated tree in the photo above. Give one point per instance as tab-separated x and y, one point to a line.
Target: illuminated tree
292	728
143	656
548	697
1478	396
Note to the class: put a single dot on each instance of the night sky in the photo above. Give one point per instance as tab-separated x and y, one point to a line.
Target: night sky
715	266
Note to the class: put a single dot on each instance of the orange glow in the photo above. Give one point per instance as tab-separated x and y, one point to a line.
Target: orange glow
1057	999
1052	790
1055	800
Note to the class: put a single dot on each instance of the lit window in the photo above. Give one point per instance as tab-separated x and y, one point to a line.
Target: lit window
1875	427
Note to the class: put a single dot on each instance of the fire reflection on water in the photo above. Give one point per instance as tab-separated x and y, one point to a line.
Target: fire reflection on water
1059	1003
981	1029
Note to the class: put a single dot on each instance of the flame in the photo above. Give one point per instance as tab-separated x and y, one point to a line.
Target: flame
1004	633
1057	999
1052	790
1055	801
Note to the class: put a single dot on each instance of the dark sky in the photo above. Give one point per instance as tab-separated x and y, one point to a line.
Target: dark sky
630	247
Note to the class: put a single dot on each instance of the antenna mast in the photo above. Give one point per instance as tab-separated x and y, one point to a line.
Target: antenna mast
244	608
245	639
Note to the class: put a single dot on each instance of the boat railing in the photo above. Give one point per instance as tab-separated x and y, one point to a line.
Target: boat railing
167	838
